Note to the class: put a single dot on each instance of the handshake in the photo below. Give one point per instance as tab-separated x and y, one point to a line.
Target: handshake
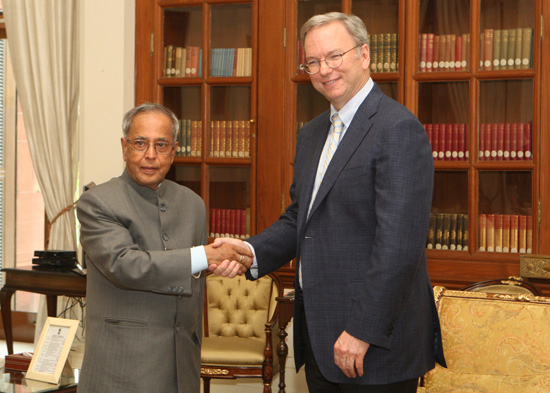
228	257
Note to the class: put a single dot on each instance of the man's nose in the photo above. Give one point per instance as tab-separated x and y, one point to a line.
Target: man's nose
151	151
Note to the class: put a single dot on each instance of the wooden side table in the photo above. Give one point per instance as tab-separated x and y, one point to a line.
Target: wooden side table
286	311
52	282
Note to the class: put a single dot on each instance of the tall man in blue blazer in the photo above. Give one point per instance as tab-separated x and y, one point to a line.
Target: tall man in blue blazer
365	318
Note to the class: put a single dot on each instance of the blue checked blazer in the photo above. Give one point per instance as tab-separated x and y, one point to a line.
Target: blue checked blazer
362	247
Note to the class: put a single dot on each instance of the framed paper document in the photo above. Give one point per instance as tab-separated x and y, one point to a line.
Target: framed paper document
52	349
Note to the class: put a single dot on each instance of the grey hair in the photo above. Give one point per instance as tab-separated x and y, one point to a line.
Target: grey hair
353	24
150	107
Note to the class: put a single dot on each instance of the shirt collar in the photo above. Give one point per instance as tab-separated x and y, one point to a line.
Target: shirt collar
347	112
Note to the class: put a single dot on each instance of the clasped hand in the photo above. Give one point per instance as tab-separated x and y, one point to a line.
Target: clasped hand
228	257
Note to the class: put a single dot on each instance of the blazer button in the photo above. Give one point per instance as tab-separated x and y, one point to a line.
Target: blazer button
165	236
162	207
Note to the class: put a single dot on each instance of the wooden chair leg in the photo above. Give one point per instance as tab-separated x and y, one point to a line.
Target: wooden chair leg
206	385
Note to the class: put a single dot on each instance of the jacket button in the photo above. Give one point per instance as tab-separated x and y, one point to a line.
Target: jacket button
162	207
165	236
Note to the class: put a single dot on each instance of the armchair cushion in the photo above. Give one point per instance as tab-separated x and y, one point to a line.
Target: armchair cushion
233	350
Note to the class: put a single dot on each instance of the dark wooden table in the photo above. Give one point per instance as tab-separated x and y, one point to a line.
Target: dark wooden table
52	282
286	311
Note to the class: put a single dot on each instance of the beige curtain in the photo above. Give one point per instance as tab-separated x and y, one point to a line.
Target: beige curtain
44	50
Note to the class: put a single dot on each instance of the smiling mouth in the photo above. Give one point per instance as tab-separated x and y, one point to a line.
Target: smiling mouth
330	82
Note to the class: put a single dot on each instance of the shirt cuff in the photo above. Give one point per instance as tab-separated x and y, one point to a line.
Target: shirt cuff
254	267
199	262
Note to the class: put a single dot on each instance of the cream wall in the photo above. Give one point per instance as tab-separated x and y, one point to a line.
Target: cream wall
106	85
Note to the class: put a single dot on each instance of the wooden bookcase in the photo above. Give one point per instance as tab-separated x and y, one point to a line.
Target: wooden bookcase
278	98
199	59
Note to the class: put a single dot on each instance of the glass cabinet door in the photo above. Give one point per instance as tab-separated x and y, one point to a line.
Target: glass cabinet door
449	224
506	34
506	120
185	103
443	109
229	202
182	42
505	218
231	48
444	36
381	18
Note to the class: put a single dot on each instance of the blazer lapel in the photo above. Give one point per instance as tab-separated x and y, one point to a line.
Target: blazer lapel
356	132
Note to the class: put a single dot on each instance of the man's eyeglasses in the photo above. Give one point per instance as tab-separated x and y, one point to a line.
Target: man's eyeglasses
333	61
141	145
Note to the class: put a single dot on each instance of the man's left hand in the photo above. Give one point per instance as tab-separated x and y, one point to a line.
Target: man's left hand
349	353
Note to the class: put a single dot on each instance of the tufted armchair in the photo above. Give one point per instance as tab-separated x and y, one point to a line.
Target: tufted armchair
240	317
493	343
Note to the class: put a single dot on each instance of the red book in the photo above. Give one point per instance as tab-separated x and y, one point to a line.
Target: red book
458	55
430	53
494	141
428	128
482	139
448	142
214	221
514	228
513	141
528	140
423	49
442	141
506	232
500	140
232	222
506	142
454	141
520	141
435	141
482	232
461	141
498	232
466	141
237	223
522	234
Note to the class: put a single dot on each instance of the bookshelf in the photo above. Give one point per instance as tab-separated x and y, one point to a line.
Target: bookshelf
481	176
201	64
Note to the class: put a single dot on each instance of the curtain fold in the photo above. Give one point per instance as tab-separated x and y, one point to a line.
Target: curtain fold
43	42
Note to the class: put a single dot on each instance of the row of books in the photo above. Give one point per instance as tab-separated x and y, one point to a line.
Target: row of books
182	62
506	233
230	138
190	138
449	141
383	52
447	52
448	231
230	223
505	141
231	62
506	49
